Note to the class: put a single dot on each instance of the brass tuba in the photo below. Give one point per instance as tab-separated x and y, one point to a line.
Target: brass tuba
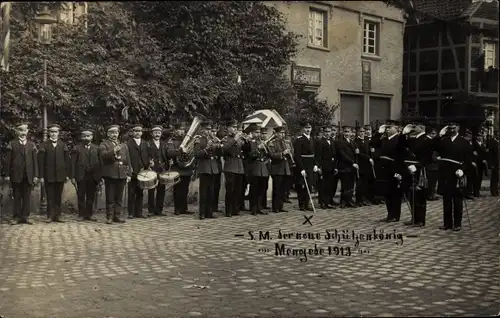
186	159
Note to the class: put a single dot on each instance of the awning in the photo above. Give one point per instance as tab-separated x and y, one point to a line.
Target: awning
265	118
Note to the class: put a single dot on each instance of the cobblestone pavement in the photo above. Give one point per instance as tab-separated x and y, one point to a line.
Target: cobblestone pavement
181	266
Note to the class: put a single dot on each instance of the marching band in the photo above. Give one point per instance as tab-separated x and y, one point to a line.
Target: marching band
391	164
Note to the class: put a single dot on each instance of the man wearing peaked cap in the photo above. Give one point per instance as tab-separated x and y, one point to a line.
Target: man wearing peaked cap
348	168
432	166
20	168
258	172
205	152
325	152
453	151
306	166
159	161
392	168
281	168
55	169
174	153
217	177
113	128
139	160
416	154
116	172
234	170
86	174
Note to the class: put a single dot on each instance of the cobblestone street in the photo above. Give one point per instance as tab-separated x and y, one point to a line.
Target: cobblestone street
181	266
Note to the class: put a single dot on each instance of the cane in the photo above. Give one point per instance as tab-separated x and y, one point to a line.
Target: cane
467	212
309	193
413	198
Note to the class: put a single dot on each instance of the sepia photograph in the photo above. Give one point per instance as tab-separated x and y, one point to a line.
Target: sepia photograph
249	159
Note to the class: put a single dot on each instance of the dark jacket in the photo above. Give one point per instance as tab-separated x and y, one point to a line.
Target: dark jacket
159	156
112	167
346	154
257	159
139	156
326	155
85	162
54	162
21	160
207	162
280	164
233	156
174	152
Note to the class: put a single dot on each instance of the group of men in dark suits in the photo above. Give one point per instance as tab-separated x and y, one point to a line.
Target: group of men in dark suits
387	166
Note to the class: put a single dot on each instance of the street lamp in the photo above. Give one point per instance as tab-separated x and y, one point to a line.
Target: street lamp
44	22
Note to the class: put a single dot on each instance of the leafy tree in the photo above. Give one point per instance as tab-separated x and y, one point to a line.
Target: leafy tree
319	112
212	42
92	76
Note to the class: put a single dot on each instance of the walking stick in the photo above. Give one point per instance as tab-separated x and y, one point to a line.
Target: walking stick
413	199
309	193
467	212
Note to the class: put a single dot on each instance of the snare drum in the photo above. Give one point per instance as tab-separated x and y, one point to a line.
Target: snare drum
169	178
147	179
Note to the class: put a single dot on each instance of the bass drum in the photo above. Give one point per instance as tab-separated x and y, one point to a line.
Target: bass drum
147	179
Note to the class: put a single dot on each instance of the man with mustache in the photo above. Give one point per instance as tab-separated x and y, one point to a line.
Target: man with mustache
455	154
55	165
392	167
20	168
116	172
160	163
86	174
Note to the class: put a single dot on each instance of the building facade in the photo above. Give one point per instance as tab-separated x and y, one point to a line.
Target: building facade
444	56
351	52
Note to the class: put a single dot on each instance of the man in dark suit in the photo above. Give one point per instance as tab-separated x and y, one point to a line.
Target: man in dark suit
289	180
116	172
139	160
54	164
392	167
158	156
218	177
264	136
280	168
86	174
181	189
492	149
234	170
326	160
365	163
347	166
432	168
21	170
306	166
470	168
207	169
258	173
371	187
417	156
455	153
480	157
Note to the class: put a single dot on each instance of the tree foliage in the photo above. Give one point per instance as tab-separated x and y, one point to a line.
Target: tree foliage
91	76
132	64
212	42
311	108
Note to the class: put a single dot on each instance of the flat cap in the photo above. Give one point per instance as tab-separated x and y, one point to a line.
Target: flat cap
137	127
87	131
113	127
391	122
157	128
53	127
